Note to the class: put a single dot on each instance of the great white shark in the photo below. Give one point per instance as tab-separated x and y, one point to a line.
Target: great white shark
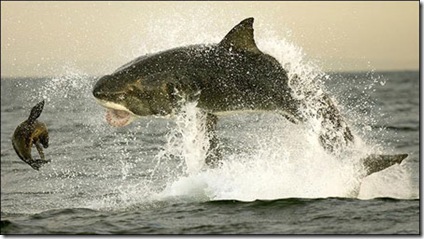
231	75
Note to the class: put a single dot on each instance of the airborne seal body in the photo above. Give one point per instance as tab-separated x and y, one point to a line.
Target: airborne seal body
31	132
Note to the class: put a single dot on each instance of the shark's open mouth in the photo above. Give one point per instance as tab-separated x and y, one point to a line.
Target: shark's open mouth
118	118
116	114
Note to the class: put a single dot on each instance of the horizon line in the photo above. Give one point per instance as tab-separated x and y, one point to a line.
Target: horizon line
96	76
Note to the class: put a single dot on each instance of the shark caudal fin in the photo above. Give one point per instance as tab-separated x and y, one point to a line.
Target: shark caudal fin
374	163
36	111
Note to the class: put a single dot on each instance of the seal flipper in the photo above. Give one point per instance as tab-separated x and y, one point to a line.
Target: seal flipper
44	139
36	112
43	136
34	164
27	158
375	163
37	163
39	149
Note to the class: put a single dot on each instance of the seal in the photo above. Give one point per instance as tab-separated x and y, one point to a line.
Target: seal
31	132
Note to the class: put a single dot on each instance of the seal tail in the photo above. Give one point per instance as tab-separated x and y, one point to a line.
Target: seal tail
374	163
36	112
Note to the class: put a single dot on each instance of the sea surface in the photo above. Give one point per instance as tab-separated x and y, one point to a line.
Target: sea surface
149	177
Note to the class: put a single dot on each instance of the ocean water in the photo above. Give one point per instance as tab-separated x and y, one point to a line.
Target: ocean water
148	177
275	178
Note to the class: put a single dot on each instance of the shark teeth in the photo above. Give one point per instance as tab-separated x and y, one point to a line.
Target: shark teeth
114	106
116	114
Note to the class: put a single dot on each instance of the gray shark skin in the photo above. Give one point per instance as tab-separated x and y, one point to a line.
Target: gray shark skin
229	76
31	132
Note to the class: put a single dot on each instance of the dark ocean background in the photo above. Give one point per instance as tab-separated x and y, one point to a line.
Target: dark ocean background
147	178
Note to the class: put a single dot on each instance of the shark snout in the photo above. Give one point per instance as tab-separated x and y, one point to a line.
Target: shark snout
98	91
101	94
105	88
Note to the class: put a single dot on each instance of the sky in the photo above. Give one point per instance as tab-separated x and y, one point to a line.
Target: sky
94	38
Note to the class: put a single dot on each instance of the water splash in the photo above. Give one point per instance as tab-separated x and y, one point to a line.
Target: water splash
276	166
275	159
266	157
298	167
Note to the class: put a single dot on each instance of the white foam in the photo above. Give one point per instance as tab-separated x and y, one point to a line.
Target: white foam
269	157
278	166
287	160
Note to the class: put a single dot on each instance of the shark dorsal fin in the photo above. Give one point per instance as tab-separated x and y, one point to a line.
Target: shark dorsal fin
36	111
241	37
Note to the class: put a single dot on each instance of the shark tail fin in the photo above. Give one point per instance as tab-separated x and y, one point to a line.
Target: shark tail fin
374	163
36	112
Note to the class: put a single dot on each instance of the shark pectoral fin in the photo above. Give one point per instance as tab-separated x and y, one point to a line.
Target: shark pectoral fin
241	37
213	155
374	163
